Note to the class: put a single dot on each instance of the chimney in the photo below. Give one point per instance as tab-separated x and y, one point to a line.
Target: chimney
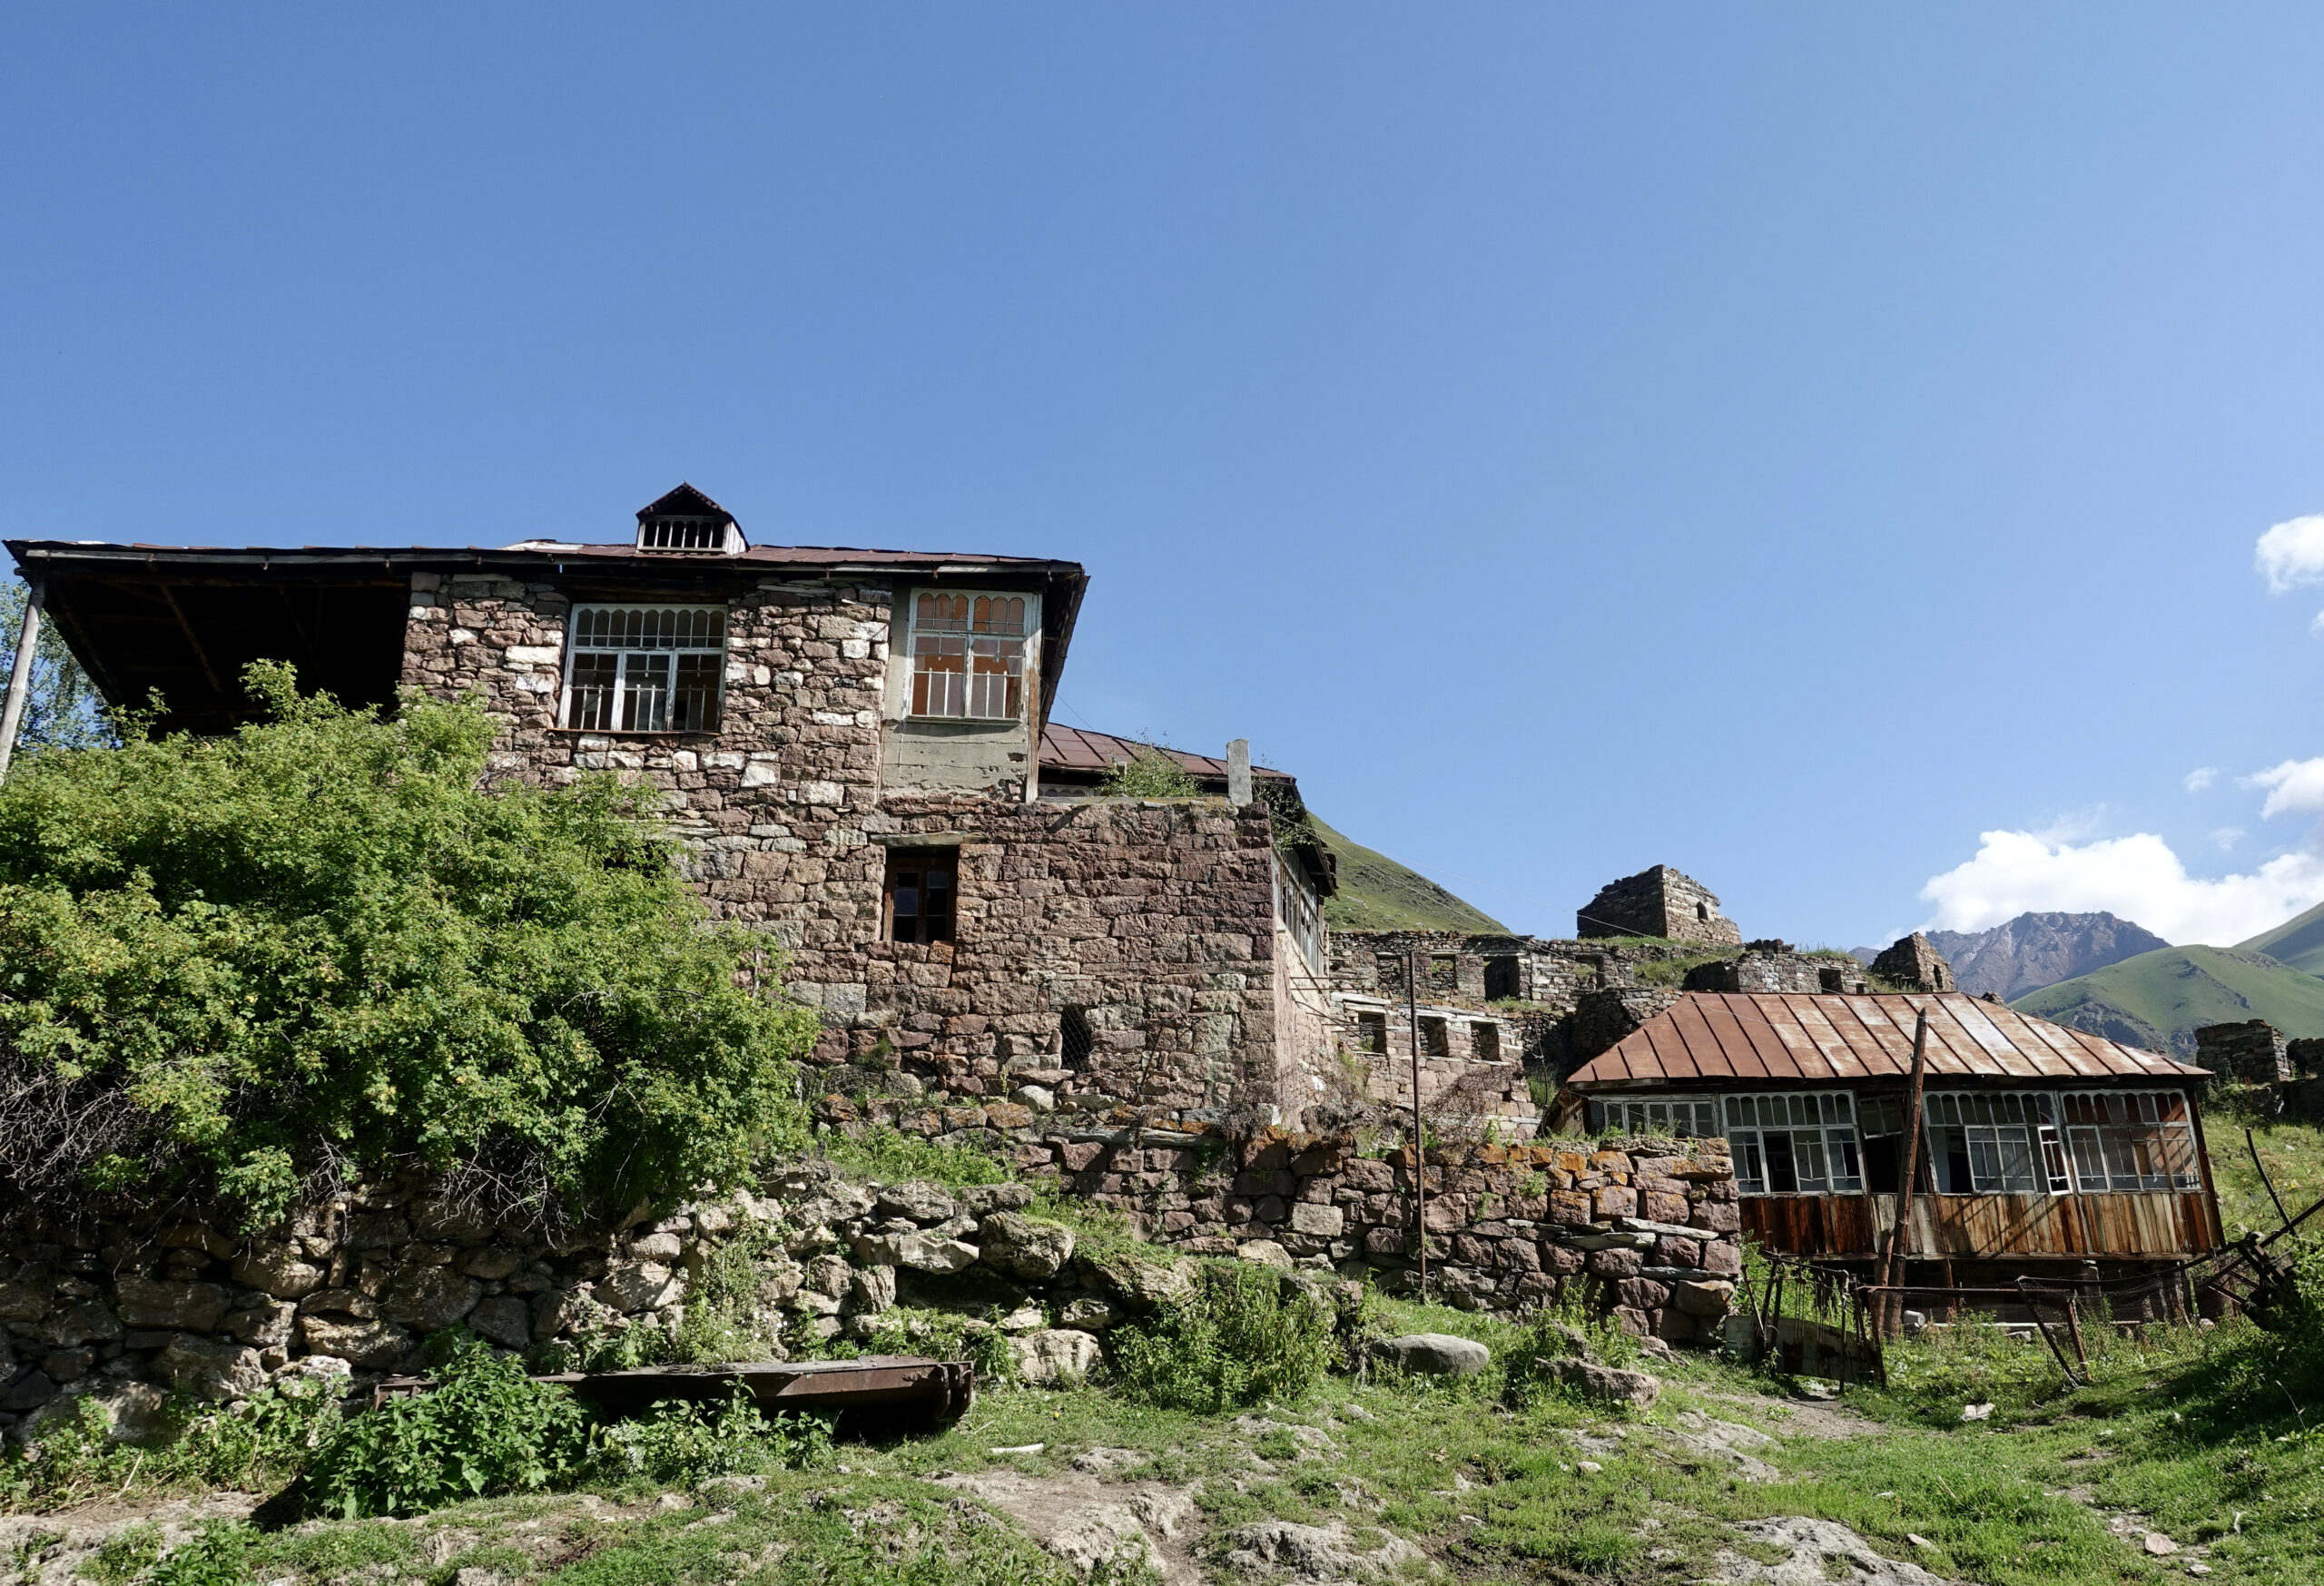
1238	772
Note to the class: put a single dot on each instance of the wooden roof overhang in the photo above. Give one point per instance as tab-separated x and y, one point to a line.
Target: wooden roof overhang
1800	1039
185	620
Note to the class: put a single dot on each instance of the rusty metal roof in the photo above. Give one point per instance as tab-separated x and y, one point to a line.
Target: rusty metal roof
1822	1037
1072	749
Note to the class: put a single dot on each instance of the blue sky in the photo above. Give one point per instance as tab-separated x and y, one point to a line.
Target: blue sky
1791	443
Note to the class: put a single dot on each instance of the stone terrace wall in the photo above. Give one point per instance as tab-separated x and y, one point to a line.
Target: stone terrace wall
129	1308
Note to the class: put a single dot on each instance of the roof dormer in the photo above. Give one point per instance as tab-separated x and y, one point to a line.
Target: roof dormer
687	520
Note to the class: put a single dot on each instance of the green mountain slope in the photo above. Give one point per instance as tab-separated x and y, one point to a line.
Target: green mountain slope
2297	941
2158	1000
1376	893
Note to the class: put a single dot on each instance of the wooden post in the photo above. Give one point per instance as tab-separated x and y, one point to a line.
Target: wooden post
12	718
1413	961
1892	1273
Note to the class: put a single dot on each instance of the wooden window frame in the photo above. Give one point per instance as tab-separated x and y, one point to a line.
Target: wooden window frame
920	859
623	698
974	646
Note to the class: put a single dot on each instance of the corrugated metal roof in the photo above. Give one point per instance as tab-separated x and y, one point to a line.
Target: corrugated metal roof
527	552
1072	749
1829	1037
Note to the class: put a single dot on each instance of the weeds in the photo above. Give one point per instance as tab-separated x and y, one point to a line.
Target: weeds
683	1443
1247	1335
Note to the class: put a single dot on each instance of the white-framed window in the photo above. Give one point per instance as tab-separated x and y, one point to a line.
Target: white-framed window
968	654
1675	1117
2130	1139
644	668
1995	1143
1795	1143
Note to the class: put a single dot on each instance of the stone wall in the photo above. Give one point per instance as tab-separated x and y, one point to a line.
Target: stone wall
2250	1052
1912	963
1153	922
133	1307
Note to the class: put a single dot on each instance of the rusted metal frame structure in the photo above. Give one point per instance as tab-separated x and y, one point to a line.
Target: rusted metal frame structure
936	1393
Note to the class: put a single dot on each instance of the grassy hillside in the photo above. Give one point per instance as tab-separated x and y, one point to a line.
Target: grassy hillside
2297	941
2158	1000
1376	893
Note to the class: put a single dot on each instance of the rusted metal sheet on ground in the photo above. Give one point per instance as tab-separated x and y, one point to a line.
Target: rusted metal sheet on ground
2146	1226
939	1392
1834	1038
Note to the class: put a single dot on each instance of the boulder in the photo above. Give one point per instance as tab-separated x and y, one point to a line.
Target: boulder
452	1222
430	1298
372	1346
921	1202
1138	1277
1053	1357
1264	1253
1707	1297
28	1392
280	1270
1436	1355
86	1323
215	1371
631	1287
133	1410
191	1307
983	1200
1608	1384
265	1325
1090	1315
870	1291
1026	1247
504	1319
339	1302
24	1298
491	1262
917	1251
657	1247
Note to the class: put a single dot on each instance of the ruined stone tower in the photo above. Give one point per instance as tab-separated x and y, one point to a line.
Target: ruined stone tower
1659	901
1912	963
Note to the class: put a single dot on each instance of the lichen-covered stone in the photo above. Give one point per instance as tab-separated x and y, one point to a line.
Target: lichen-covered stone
1026	1247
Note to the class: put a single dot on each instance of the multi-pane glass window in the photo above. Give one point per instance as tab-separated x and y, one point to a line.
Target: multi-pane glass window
2130	1139
1995	1143
968	656
1681	1118
920	894
646	668
1795	1144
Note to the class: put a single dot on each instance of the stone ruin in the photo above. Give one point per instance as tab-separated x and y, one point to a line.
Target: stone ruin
1914	964
1659	903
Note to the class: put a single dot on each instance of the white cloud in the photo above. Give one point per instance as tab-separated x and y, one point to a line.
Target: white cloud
2202	777
2294	785
2291	554
2227	837
2135	878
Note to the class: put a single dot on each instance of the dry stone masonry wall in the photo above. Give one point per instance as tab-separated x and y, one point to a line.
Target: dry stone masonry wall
131	1310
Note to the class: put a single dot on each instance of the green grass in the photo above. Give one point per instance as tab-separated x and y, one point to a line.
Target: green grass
2292	1152
2158	1000
1376	893
2297	941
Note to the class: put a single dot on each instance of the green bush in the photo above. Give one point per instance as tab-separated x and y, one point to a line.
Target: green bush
329	941
265	1440
1152	772
1551	1333
681	1443
486	1429
1248	1334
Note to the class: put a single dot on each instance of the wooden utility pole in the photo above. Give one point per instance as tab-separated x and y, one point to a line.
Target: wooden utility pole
1413	961
1891	1272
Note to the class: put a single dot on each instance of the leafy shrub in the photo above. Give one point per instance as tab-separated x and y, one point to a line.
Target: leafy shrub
486	1429
682	1443
889	1155
1557	1331
219	1556
1248	1334
1151	773
328	941
264	1441
722	1321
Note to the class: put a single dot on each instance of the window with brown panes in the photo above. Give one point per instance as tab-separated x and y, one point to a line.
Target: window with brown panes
921	894
968	655
646	668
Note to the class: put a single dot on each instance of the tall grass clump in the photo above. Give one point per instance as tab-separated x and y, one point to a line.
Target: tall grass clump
1248	1334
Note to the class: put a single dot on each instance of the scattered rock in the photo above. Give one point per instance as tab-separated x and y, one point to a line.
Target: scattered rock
1138	1279
216	1372
982	1199
631	1287
1265	1253
1976	1411
1437	1353
1055	1356
1090	1315
2158	1544
1090	1524
920	1201
1608	1385
1703	1297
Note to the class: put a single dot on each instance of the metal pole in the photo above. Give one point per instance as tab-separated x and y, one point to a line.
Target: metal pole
12	718
1893	1270
1419	1154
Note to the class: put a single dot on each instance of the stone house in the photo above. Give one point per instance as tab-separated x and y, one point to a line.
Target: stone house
856	745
